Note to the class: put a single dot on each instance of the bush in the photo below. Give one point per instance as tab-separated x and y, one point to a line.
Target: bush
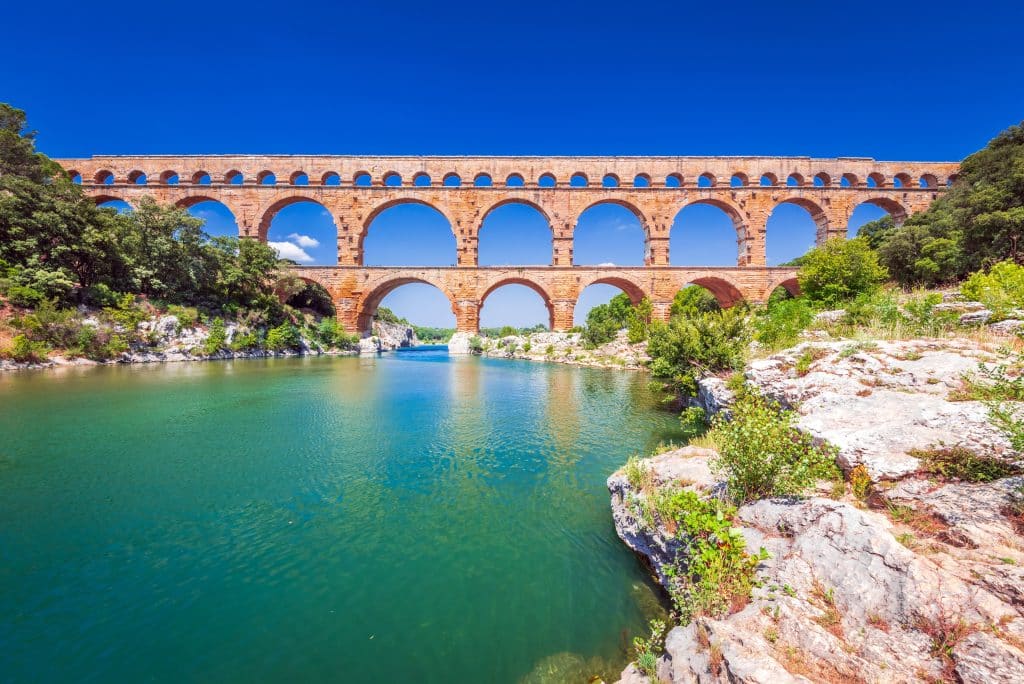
963	464
126	314
101	295
692	300
689	348
216	339
23	296
24	350
188	316
283	337
246	341
476	345
1000	289
606	320
840	270
780	323
762	454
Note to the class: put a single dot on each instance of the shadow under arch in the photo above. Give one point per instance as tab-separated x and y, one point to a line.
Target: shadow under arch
536	287
725	291
370	301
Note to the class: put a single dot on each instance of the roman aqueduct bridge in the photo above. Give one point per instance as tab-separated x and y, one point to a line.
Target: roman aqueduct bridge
355	190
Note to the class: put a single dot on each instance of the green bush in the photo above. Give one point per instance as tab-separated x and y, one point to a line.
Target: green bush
691	347
762	454
246	341
840	270
476	345
963	464
780	323
283	337
216	339
386	315
1000	289
693	299
606	320
188	316
23	296
24	350
101	295
126	313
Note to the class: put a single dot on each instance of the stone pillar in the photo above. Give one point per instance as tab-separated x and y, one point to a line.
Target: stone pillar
561	314
561	251
467	315
751	247
467	250
345	308
657	252
661	311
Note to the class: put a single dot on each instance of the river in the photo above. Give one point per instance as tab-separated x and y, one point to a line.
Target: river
407	517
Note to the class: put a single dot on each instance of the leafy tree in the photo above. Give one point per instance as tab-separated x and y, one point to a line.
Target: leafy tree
386	315
605	320
693	299
840	270
691	347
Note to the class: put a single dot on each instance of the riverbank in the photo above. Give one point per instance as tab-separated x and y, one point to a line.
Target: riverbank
911	570
556	347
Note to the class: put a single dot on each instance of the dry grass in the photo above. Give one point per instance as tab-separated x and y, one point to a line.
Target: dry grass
830	618
945	631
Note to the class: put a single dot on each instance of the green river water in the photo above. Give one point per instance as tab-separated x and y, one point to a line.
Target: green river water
408	517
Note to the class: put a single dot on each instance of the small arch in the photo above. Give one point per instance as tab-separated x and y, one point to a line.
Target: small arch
610	180
868	210
515	284
421	180
362	179
514	180
902	180
169	178
739	180
724	290
674	180
483	180
928	180
392	179
706	180
137	178
953	178
822	180
769	180
601	290
75	177
849	180
546	180
233	177
299	178
201	178
452	180
794	180
876	180
104	177
642	180
115	203
578	180
789	284
266	178
330	178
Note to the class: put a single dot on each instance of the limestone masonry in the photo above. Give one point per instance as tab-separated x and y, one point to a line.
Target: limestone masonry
355	190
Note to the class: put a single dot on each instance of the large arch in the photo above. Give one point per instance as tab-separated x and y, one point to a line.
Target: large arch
302	230
409	217
218	218
873	209
515	232
599	290
787	282
608	218
794	227
369	302
519	283
712	245
725	291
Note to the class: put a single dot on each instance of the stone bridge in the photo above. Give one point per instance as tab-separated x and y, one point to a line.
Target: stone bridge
355	190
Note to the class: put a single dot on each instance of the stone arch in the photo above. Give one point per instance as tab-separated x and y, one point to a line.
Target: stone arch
706	180
299	177
739	180
103	177
789	282
330	178
849	180
266	178
169	177
421	179
625	204
795	180
527	231
642	180
366	305
903	180
234	177
103	199
502	281
268	213
74	176
731	212
579	180
769	180
137	177
634	290
392	179
898	212
584	242
876	180
405	199
515	180
483	180
610	180
822	180
190	201
818	215
201	178
928	180
515	200
725	291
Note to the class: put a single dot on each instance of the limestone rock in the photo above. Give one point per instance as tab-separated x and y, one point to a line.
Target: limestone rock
459	343
1009	326
833	316
979	317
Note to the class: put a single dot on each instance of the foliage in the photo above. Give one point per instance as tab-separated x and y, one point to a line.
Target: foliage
779	324
330	333
24	296
860	482
476	345
430	334
719	574
188	316
217	337
246	341
386	315
691	347
606	320
282	338
648	649
24	350
762	454
692	300
694	423
840	270
961	463
302	294
977	223
1000	289
638	474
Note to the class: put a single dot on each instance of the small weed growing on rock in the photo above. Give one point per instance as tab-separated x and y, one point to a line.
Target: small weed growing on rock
771	635
790	591
830	618
808	357
878	622
762	454
945	631
638	474
648	649
961	463
860	483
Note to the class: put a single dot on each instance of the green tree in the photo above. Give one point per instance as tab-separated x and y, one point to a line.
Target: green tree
839	270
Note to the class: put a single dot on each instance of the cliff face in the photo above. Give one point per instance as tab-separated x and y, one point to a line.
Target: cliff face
923	581
388	337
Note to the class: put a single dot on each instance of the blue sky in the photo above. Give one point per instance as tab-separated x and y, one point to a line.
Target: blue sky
900	81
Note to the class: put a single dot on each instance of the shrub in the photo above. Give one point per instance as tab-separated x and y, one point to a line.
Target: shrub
114	347
24	350
840	270
1000	289
216	339
963	464
719	574
126	314
476	345
762	454
101	295
780	323
283	337
386	315
648	649
188	316
692	300
246	341
24	296
57	327
860	482
689	348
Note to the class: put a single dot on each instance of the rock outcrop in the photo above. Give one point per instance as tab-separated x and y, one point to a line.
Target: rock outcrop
922	582
388	337
569	348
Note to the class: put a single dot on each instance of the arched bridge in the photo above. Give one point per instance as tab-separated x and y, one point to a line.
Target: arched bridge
355	190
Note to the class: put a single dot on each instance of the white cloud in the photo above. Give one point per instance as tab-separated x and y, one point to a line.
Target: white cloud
287	250
304	241
607	263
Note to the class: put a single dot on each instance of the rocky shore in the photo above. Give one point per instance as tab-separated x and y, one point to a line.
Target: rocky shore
920	580
556	347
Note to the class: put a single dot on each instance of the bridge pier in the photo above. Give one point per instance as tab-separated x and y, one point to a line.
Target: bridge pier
467	315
